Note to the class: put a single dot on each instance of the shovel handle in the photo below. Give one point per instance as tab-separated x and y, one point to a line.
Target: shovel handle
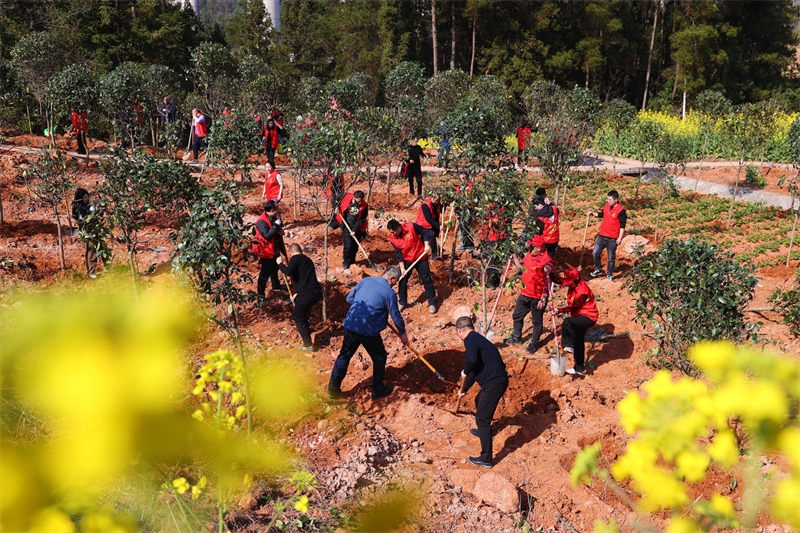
411	267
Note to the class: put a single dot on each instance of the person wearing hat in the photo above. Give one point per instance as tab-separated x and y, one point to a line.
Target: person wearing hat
583	312
537	266
547	213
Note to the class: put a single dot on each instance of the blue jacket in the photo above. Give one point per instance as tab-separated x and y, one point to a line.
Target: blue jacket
371	303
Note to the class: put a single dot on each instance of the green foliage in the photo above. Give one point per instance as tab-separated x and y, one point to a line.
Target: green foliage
693	291
231	141
250	30
787	303
444	92
793	141
753	177
616	115
210	246
475	129
215	75
351	92
37	57
406	79
136	184
73	87
262	90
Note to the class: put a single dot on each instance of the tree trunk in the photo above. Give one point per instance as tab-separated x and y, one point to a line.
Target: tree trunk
484	266
650	55
433	36
658	213
453	251
1	209
791	239
452	34
472	59
28	111
735	192
614	157
60	239
325	274
702	157
132	265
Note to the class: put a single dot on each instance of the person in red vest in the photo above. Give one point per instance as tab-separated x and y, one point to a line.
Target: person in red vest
79	129
429	216
523	142
537	266
353	210
273	185
547	214
493	233
272	132
199	132
583	312
612	231
410	242
266	245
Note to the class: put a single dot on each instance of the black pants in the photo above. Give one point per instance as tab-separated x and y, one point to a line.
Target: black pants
302	311
423	268
522	158
572	331
525	305
197	144
270	155
81	143
609	244
485	405
349	247
269	270
433	244
90	257
415	171
376	351
551	249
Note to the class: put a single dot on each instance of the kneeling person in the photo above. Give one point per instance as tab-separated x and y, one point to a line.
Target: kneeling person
583	312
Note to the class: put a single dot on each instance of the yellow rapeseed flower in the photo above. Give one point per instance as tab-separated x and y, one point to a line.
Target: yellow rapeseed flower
660	490
236	397
51	520
722	505
789	443
198	415
302	504
723	449
785	504
692	465
180	484
630	412
680	524
240	411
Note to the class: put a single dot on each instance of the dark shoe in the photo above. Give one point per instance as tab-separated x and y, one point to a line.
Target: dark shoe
581	371
477	461
596	272
281	288
474	432
531	349
513	341
384	391
334	393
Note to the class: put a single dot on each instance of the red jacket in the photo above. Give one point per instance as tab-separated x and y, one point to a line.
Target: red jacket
272	188
534	279
523	136
435	209
581	302
263	248
200	128
610	226
346	204
550	231
78	122
409	244
494	229
271	137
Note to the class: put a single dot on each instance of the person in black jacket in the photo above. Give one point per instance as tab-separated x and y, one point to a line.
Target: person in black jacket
267	246
484	365
307	290
414	167
85	215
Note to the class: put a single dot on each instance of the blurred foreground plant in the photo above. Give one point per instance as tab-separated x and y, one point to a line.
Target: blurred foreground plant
683	428
91	386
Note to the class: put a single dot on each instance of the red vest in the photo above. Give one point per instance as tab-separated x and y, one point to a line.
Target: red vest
523	136
533	279
200	129
495	227
263	248
346	204
78	122
271	186
550	232
588	309
409	244
271	137
434	208
610	225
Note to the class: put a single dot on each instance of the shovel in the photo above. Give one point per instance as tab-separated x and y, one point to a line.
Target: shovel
411	267
601	335
558	363
363	251
410	347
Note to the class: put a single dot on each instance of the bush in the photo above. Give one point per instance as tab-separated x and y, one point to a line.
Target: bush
693	291
753	176
787	304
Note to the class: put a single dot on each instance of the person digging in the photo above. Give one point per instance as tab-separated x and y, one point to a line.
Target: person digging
351	216
411	241
482	364
583	312
537	266
303	273
372	301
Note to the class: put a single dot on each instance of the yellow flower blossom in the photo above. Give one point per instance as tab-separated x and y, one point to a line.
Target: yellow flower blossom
52	520
236	397
722	505
240	411
225	386
692	465
789	443
680	524
302	504
785	504
630	411
723	449
198	415
180	484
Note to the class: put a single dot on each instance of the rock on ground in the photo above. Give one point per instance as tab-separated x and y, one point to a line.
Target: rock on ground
495	490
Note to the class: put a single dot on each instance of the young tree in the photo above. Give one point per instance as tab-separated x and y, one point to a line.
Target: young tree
793	184
616	115
645	132
137	184
122	91
444	92
382	138
713	107
672	152
406	79
787	303
693	291
231	142
48	181
747	128
74	87
216	77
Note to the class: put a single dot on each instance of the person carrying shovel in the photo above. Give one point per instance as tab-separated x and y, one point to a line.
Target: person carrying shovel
583	312
483	364
412	248
308	291
351	216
